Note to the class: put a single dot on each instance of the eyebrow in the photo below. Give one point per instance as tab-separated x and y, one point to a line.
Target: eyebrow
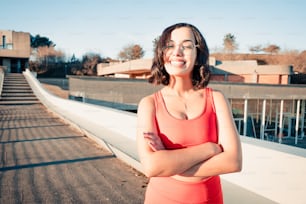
187	40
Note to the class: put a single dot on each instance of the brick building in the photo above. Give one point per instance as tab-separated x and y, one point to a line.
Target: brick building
248	71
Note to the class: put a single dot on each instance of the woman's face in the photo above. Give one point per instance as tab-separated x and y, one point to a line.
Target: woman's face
180	52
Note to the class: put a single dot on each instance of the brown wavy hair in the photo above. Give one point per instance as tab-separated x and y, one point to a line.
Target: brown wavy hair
201	72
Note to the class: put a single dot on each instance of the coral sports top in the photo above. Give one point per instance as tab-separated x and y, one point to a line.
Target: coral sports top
180	133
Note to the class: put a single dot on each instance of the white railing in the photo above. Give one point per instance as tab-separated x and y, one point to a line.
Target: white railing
275	116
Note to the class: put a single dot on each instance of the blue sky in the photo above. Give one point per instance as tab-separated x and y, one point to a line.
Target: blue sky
106	26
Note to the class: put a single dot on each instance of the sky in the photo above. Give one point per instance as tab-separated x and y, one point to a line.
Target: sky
106	26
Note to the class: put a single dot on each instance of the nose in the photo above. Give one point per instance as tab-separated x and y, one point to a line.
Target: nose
178	51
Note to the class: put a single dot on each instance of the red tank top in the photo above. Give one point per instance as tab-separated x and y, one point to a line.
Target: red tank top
179	133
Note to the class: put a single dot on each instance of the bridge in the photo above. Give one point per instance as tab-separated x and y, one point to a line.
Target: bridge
62	151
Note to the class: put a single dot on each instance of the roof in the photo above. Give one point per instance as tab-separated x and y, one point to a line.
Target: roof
133	66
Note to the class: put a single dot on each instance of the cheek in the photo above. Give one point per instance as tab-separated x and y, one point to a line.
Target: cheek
195	57
166	58
192	60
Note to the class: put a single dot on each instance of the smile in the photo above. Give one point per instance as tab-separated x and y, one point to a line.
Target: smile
178	63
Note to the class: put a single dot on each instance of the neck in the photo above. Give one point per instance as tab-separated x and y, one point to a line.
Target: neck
180	85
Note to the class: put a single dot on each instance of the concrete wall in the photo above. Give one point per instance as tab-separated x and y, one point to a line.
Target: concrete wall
116	90
272	173
130	91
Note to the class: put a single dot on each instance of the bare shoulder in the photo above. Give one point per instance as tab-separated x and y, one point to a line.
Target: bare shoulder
218	96
147	100
220	101
147	103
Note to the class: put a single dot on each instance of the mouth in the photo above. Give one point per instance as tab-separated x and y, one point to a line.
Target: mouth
177	63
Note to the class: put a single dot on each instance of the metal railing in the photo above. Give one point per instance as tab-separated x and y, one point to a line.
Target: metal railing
270	118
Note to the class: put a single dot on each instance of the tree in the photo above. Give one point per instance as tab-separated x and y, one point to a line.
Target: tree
300	62
41	47
131	52
44	56
155	42
229	42
38	41
89	63
73	58
256	48
272	49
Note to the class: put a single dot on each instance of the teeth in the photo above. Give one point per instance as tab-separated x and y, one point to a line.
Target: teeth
177	63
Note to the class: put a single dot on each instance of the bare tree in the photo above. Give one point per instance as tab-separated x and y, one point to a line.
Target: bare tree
229	42
49	54
300	62
89	63
131	52
272	49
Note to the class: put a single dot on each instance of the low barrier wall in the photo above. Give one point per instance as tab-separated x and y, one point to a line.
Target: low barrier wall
272	173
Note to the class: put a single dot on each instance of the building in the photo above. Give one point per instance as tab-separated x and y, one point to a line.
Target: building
248	71
15	50
132	69
244	71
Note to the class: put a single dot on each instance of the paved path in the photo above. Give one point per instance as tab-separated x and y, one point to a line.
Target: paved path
44	160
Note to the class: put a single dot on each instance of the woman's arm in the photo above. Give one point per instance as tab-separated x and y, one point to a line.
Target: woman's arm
230	160
156	160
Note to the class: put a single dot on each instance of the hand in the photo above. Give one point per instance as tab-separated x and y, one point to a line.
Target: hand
218	148
213	148
154	141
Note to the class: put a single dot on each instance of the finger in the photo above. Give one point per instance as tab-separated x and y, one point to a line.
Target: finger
148	137
148	133
152	146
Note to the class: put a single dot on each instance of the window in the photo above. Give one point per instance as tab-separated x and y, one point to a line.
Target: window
3	42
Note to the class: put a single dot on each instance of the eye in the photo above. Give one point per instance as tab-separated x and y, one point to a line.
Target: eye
170	46
188	46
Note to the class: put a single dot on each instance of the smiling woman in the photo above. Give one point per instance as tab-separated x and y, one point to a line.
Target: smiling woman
186	136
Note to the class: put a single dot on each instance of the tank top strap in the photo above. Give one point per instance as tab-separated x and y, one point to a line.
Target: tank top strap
210	98
157	99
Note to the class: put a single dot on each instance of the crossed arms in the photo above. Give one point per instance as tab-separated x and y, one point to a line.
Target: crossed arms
204	160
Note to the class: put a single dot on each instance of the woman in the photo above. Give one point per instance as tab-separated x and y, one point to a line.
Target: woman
186	136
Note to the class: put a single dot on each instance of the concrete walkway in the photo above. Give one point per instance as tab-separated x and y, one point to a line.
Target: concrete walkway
44	160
